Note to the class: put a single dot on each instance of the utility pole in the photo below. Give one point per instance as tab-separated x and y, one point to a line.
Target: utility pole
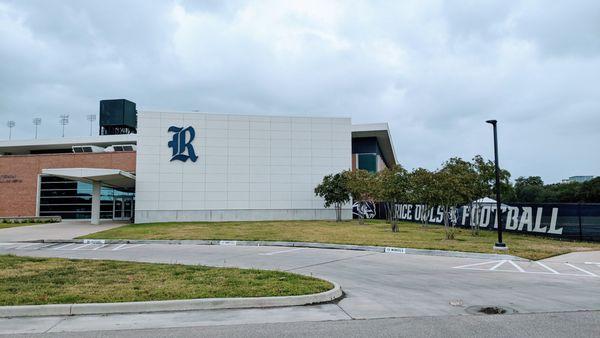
499	245
91	118
64	120
10	125
36	122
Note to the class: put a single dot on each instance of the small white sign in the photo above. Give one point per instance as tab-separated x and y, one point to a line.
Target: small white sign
94	241
395	250
233	243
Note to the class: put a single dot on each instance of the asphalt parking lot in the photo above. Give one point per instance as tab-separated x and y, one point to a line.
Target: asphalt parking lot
376	285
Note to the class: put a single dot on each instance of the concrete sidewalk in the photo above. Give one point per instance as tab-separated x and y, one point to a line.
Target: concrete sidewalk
62	230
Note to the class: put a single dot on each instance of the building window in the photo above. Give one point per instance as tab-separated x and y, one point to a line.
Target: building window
367	162
73	200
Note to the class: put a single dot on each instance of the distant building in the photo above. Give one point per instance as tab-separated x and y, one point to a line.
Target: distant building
578	179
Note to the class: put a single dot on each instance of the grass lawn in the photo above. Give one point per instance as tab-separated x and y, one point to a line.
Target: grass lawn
28	280
411	235
12	225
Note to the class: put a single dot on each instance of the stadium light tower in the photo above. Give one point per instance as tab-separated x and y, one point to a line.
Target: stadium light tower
10	125
36	122
91	118
64	120
499	245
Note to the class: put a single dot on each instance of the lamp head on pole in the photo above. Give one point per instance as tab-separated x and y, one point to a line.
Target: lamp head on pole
491	122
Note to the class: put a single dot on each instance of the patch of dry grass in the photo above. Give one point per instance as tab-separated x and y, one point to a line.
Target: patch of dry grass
411	235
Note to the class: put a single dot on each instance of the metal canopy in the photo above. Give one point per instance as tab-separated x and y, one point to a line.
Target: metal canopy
114	178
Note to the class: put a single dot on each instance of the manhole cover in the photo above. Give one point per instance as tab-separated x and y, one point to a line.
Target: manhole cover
489	310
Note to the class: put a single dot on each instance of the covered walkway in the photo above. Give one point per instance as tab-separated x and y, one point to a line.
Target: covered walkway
113	178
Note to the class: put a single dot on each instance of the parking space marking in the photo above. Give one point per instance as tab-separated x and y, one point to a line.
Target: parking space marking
23	246
582	270
472	265
497	265
81	247
519	269
45	246
125	246
62	246
516	266
68	246
279	252
101	246
548	268
118	247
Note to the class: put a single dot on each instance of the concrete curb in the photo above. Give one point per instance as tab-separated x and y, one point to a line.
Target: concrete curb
381	249
169	305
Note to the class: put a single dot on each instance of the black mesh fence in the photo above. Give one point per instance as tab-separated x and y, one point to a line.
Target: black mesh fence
562	220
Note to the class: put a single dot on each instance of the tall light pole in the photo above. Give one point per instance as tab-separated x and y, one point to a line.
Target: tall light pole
64	120
91	118
36	122
10	125
499	245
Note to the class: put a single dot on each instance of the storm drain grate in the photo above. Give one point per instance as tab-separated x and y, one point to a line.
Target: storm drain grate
489	310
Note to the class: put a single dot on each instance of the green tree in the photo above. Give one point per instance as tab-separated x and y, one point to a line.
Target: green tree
561	193
456	184
590	191
360	184
391	187
422	191
335	192
529	189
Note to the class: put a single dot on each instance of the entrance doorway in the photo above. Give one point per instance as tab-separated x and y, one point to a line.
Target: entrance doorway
122	208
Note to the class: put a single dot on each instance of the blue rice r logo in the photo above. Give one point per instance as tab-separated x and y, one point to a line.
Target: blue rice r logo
180	144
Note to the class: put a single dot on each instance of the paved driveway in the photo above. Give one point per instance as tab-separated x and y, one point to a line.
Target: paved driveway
377	285
62	230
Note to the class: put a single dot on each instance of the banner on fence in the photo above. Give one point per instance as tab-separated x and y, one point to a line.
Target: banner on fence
573	221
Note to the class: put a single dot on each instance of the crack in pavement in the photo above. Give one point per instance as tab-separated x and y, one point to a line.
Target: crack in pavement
55	324
332	261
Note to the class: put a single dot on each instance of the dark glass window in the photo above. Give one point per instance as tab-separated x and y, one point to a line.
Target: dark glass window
73	200
367	162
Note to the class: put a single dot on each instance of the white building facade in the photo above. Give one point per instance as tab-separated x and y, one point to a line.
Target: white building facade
239	168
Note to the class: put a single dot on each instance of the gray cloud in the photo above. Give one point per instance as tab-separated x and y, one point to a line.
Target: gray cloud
434	70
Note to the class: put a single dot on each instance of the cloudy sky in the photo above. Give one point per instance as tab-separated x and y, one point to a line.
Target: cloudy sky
434	70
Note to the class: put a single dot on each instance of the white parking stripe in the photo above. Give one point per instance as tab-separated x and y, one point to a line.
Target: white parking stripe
101	246
118	247
79	247
471	265
547	268
522	269
23	246
497	265
278	252
45	246
582	270
516	266
129	246
62	246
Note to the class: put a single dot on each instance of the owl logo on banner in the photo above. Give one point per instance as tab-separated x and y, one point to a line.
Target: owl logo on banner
182	144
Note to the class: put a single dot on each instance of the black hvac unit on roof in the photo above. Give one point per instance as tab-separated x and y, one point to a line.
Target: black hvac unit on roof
117	117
